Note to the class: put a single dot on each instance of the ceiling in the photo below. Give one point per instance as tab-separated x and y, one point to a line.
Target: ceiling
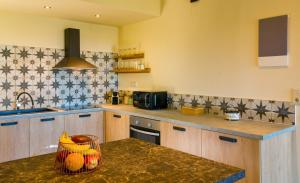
112	12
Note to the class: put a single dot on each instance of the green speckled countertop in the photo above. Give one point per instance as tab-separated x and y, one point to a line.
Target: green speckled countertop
127	160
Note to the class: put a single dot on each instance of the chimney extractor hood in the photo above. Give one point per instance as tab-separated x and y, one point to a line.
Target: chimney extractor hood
72	58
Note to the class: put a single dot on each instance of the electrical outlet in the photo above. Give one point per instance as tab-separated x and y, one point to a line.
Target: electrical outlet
296	96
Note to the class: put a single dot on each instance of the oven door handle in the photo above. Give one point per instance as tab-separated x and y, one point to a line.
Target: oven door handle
147	96
144	132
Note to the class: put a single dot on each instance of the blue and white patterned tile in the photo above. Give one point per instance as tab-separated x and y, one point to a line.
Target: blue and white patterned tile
243	106
31	68
208	103
40	54
216	101
261	108
187	98
101	64
201	100
223	104
76	91
232	102
195	101
285	112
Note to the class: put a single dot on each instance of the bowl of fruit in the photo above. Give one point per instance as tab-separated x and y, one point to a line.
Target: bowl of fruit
77	154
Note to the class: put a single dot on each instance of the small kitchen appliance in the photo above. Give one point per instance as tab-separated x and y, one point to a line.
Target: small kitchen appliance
150	100
115	98
232	115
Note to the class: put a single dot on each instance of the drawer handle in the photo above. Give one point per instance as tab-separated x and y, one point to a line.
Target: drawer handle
9	124
179	129
85	115
228	139
117	116
47	119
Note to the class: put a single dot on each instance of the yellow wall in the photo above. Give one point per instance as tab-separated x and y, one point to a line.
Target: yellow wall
29	30
210	48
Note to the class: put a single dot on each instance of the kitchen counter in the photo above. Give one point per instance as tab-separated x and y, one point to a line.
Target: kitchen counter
57	111
127	160
243	128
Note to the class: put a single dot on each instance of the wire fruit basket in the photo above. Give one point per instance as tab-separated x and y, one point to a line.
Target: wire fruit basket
78	154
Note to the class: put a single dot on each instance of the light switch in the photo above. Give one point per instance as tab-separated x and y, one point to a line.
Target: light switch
296	96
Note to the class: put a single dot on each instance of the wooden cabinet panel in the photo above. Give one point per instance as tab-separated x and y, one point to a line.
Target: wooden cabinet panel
233	150
14	139
278	161
182	138
90	123
44	134
116	126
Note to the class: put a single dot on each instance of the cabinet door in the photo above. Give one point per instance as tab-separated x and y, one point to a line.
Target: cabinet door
182	138
233	150
90	123
14	139
116	126
44	134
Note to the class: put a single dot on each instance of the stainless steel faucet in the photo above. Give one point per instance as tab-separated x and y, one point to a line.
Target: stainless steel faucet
18	104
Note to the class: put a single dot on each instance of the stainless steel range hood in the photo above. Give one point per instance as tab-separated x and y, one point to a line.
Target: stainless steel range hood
72	58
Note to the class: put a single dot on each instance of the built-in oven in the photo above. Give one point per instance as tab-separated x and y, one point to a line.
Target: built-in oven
145	129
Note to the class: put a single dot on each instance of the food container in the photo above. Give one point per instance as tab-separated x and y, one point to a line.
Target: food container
78	154
192	110
232	115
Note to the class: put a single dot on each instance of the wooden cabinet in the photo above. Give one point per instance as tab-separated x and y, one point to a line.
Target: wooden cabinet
14	139
182	138
232	150
90	123
116	126
44	134
278	159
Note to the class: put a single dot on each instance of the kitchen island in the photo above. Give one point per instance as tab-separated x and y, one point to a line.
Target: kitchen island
128	160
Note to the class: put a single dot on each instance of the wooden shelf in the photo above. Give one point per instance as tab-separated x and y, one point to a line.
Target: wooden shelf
146	70
132	56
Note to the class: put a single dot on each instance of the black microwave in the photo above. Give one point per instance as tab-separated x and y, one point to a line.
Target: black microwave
150	100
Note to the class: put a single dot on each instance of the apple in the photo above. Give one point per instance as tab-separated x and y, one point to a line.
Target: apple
81	139
91	161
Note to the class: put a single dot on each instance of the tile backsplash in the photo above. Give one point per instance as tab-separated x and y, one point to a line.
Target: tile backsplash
250	109
30	69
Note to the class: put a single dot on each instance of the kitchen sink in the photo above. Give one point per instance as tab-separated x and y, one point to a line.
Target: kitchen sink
26	111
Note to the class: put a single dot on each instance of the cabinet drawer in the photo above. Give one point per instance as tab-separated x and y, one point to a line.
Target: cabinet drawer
233	150
14	139
44	134
90	123
116	126
182	138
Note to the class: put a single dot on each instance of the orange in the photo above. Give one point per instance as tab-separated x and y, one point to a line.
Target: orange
74	161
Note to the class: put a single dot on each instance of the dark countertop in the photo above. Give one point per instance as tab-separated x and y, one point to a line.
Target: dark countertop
127	160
